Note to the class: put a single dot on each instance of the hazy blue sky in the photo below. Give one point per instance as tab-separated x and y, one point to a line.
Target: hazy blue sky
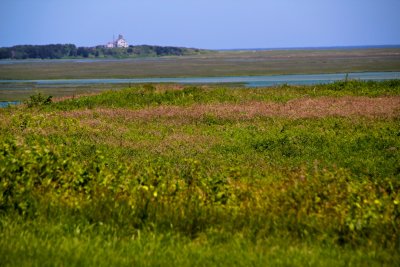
202	23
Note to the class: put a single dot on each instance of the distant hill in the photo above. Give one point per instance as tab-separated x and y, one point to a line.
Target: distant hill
59	51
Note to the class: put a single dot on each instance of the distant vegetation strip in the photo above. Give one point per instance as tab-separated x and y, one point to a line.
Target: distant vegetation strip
215	64
59	51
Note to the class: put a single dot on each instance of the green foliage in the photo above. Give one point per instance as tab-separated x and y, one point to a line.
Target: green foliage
146	95
49	243
58	51
52	51
38	100
362	87
324	204
85	183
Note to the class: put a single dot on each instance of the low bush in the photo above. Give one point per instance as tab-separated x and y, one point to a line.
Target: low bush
323	204
38	100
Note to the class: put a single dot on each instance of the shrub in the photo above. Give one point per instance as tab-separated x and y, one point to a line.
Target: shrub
38	100
324	204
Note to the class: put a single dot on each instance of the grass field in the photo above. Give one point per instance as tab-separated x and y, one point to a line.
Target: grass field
223	63
22	91
168	175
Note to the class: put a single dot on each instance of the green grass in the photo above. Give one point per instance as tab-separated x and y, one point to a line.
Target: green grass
164	175
101	245
22	91
148	95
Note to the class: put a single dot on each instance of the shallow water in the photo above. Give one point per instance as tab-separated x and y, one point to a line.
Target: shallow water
249	81
4	104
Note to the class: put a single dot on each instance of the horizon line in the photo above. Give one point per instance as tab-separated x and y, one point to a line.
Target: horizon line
245	49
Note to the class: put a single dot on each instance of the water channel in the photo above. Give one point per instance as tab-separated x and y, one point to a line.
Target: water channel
248	81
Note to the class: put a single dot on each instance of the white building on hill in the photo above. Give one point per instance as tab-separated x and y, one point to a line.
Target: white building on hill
120	42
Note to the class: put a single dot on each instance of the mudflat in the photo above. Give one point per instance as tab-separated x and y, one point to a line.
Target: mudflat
218	63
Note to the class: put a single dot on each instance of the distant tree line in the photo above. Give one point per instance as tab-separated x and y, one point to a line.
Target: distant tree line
58	51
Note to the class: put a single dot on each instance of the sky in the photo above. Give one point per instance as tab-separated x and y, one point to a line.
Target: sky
210	24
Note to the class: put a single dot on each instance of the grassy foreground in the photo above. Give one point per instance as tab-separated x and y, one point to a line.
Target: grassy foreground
165	175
